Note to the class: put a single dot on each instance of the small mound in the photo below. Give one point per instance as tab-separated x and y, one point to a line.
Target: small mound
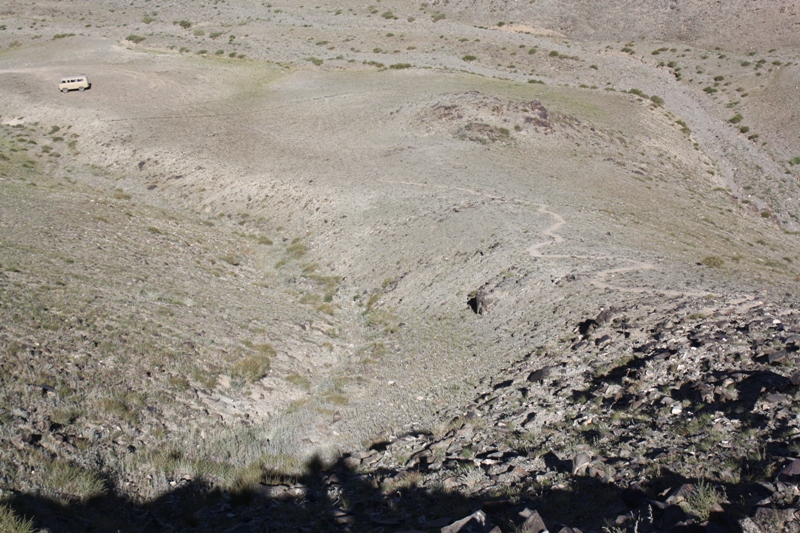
475	116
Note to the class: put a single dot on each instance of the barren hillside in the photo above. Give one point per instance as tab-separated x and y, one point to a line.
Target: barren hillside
271	232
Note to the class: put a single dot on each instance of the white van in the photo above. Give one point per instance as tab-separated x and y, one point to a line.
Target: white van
75	82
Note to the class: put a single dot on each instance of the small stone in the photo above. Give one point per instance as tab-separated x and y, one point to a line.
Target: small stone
602	340
790	472
580	462
539	375
272	492
778	358
680	494
534	523
477	522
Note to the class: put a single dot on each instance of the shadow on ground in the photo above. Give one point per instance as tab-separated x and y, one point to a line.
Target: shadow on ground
339	498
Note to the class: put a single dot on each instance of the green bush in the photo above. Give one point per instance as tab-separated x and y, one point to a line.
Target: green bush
712	261
399	66
185	24
135	39
795	161
737	118
657	100
469	57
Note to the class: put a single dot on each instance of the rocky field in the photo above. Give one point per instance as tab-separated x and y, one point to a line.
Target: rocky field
441	266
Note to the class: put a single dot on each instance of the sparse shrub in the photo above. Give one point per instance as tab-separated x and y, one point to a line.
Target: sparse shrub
737	118
532	80
389	15
296	249
73	483
700	501
745	63
256	366
179	382
198	32
185	24
795	161
147	19
709	90
437	17
744	129
215	34
637	92
11	523
316	61
712	261
63	35
657	100
766	214
553	53
219	52
400	66
627	50
201	52
299	380
411	19
469	57
135	39
719	78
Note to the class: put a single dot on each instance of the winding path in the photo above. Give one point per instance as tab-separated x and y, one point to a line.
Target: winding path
552	236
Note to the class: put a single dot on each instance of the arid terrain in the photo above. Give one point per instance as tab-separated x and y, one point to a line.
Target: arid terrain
395	267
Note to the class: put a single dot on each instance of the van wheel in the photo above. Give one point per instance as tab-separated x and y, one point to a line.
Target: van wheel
64	90
81	89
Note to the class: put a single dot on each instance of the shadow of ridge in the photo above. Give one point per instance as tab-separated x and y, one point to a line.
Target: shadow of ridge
338	497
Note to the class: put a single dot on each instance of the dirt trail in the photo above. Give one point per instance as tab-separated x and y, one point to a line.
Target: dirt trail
598	279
